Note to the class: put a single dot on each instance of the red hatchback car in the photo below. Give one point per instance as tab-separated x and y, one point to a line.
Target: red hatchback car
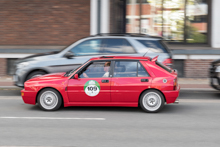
106	81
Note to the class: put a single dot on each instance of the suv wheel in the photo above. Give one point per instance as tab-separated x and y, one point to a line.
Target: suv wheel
35	74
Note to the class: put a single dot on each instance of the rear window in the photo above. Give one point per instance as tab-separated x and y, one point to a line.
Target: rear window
154	45
164	67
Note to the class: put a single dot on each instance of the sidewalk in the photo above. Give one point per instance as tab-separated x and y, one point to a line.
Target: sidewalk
185	83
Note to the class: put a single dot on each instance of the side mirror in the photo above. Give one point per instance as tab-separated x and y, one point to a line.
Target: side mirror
76	76
69	55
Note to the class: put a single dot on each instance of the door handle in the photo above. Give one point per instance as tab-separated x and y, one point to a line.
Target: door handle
105	81
144	80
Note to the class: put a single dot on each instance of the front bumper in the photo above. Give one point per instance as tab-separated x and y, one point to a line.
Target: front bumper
29	97
171	96
19	78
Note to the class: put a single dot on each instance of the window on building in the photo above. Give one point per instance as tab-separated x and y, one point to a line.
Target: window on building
183	21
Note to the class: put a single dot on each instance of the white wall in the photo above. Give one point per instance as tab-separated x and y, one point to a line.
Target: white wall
93	16
215	24
104	20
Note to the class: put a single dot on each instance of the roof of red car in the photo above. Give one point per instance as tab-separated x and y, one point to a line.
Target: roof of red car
121	57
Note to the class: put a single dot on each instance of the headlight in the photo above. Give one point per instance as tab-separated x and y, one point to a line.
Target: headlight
22	65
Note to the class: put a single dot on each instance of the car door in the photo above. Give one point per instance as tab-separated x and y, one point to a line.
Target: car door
93	84
129	79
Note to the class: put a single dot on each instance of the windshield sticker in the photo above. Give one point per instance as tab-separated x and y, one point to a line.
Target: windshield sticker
92	88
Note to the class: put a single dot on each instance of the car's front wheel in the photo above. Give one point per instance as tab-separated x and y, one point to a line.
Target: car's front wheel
49	99
152	101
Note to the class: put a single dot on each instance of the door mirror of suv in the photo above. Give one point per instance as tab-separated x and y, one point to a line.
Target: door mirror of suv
69	55
76	76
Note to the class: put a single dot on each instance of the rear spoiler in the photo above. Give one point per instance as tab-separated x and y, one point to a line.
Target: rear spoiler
155	58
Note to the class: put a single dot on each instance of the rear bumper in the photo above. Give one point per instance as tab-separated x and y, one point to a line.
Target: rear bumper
171	96
29	97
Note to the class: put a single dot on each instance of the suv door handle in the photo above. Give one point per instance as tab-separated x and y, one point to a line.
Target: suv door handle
144	80
105	81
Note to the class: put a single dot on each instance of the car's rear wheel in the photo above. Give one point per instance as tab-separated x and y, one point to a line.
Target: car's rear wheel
152	101
35	74
49	99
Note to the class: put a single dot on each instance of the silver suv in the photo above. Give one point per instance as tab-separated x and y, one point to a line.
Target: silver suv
86	48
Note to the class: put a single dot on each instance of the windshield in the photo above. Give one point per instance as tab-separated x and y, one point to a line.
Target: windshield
68	73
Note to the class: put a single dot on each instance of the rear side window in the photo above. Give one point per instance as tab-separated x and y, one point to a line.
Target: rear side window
141	71
129	69
117	46
163	66
154	45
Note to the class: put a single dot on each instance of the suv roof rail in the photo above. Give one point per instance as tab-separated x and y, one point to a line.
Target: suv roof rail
107	57
126	34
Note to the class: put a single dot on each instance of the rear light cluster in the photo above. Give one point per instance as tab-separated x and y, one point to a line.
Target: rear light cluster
168	62
174	84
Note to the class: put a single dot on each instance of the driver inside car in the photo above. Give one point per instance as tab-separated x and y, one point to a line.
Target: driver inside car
106	69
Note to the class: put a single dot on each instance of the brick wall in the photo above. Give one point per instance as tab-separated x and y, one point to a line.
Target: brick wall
43	22
197	68
3	67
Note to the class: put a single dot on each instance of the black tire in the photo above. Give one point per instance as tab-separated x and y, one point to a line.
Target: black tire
152	101
49	99
34	74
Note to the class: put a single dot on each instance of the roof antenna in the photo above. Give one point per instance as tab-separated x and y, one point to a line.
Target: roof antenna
145	53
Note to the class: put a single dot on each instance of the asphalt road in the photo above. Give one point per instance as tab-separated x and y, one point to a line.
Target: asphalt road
193	122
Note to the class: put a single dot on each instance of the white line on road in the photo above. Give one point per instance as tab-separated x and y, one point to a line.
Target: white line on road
198	101
10	97
52	118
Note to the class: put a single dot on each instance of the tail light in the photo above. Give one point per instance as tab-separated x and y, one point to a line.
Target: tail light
174	84
168	62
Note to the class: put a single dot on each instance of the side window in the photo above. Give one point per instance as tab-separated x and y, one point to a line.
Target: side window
117	46
125	69
141	71
88	47
96	70
153	45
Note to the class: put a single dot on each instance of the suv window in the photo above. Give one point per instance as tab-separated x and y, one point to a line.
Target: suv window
96	70
129	69
118	46
88	47
154	45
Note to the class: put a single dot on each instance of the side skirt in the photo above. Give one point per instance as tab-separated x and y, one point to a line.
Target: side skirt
107	104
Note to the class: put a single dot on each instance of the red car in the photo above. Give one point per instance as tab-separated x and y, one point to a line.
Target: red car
106	81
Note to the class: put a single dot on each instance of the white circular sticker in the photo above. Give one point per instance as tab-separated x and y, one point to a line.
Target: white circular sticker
92	88
164	80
